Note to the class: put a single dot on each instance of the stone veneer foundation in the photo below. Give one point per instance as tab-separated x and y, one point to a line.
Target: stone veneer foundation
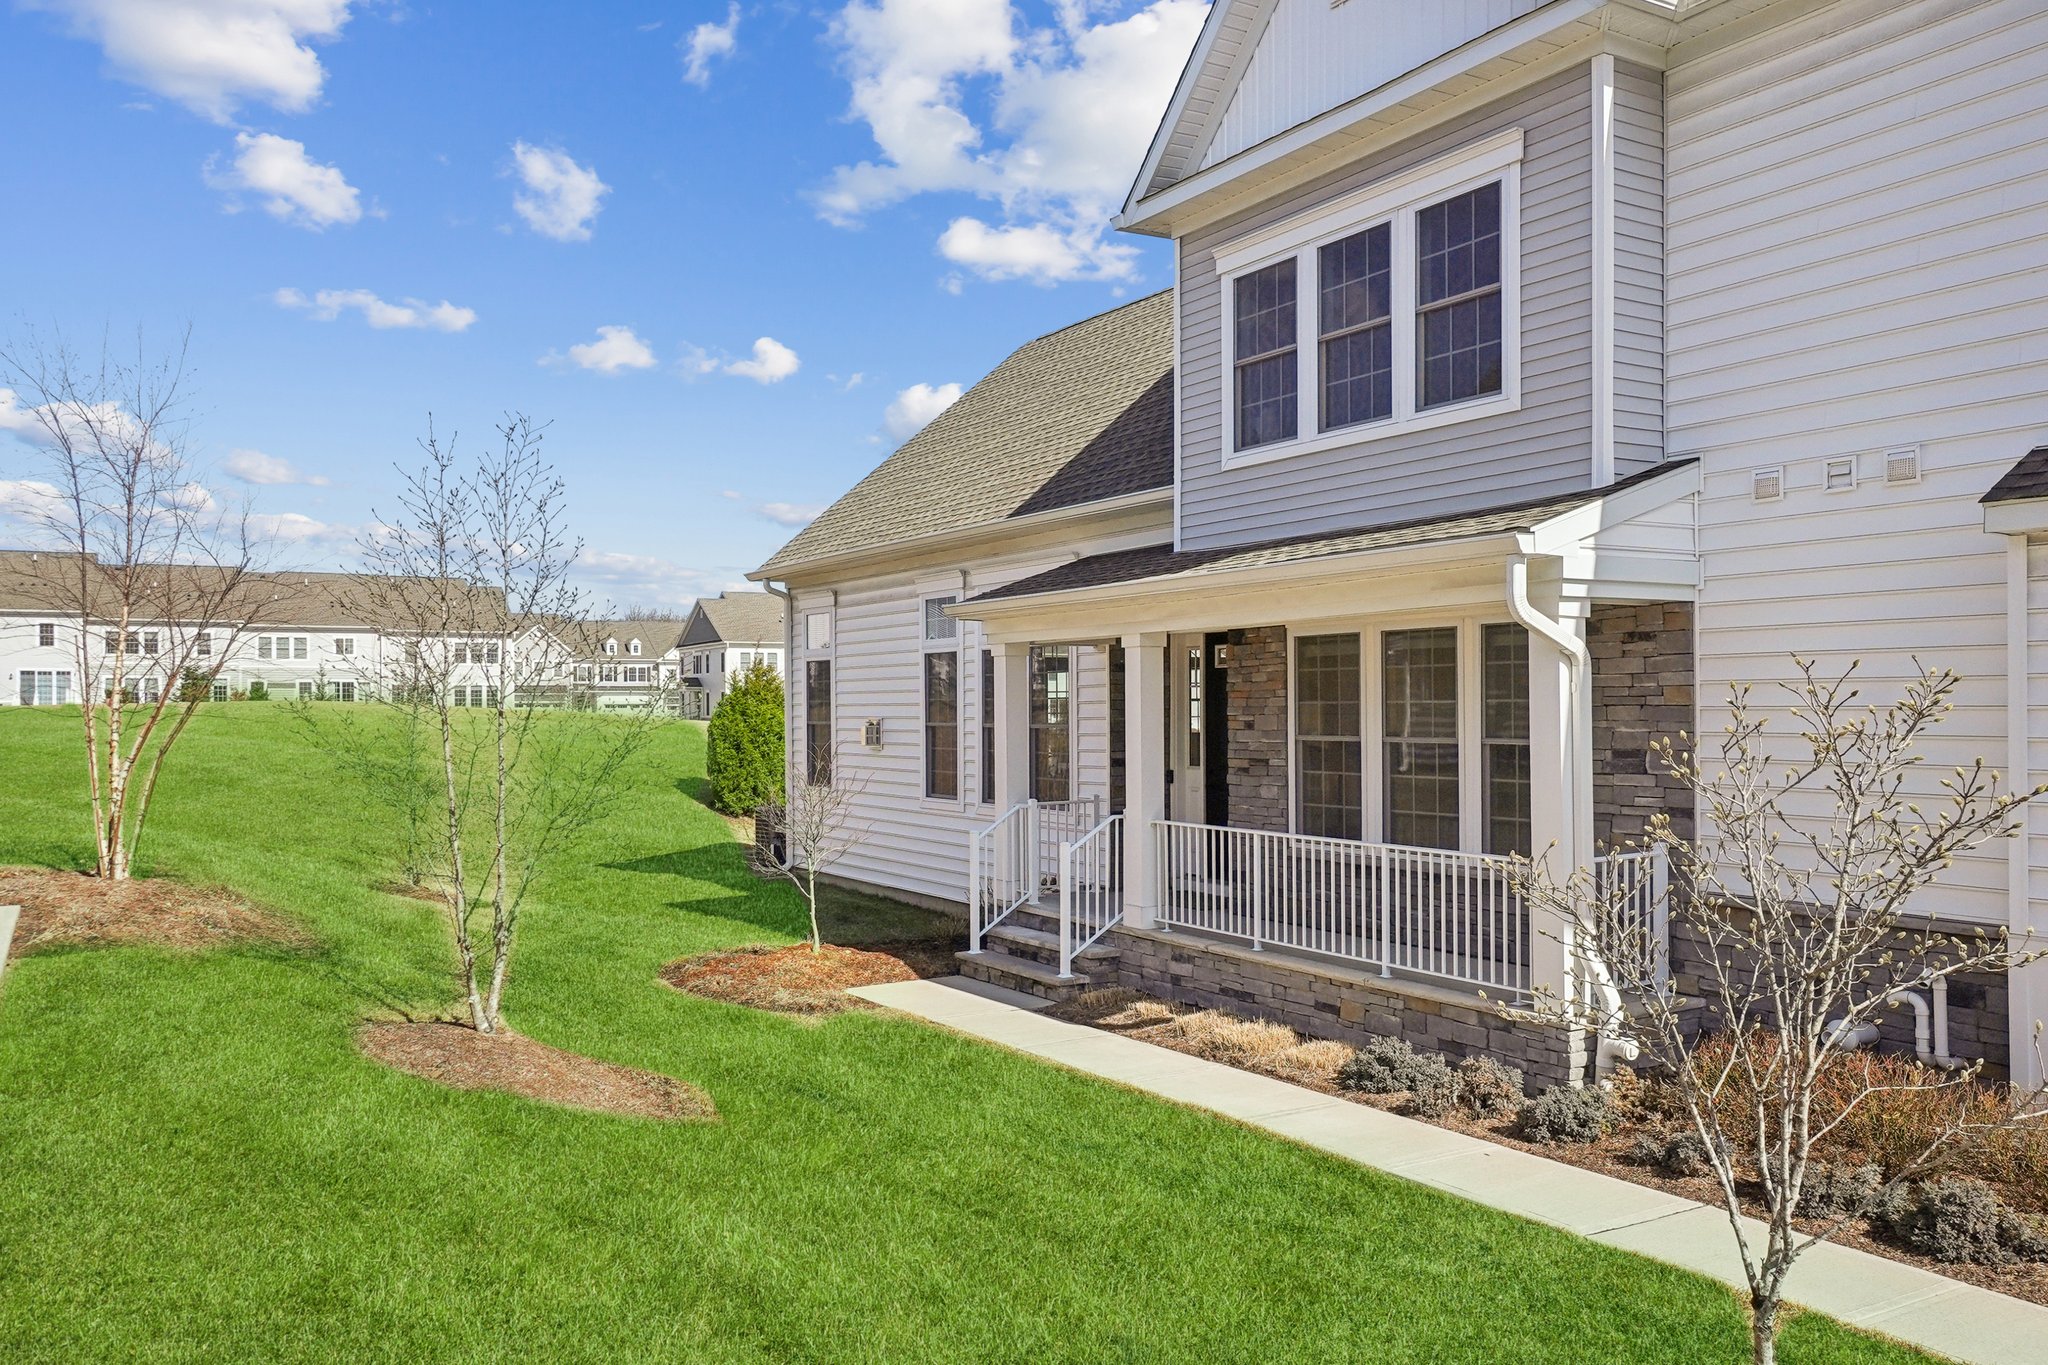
1255	700
1326	1000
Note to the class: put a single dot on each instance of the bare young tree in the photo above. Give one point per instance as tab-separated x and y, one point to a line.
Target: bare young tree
151	579
1796	894
471	582
817	827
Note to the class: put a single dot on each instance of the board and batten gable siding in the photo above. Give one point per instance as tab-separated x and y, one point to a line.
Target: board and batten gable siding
1313	56
1543	448
1855	207
908	842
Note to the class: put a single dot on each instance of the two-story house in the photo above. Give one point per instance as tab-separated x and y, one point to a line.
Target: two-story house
1532	373
724	637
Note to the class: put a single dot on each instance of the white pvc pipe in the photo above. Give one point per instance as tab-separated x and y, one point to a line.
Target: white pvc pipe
1930	1028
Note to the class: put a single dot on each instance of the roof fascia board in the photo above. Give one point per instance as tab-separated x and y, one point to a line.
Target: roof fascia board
1081	514
1577	527
1146	215
1183	90
2016	516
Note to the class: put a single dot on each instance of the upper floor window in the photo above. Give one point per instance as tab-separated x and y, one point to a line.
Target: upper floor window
611	646
633	647
344	645
1392	309
46	635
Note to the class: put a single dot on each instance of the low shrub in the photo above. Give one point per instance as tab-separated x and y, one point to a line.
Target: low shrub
1562	1114
1437	1097
1679	1153
1840	1189
1952	1218
1387	1065
1490	1089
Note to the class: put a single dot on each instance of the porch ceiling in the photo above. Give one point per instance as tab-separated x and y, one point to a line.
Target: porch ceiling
1597	537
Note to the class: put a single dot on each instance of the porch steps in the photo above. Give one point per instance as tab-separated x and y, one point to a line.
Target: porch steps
1023	953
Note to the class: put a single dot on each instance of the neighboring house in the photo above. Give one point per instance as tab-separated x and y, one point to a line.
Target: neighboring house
724	637
628	664
303	636
1532	373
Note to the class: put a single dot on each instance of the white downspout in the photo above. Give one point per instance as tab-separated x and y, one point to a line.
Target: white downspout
1611	1044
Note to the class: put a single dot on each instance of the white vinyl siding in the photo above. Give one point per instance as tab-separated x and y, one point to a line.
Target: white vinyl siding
1542	448
1855	201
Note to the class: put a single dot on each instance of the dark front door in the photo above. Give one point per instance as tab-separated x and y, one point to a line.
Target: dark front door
1215	730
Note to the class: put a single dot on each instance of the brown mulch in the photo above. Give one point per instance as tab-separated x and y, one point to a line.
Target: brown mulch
71	908
459	1057
796	980
1274	1050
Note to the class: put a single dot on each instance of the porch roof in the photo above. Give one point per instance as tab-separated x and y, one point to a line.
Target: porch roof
1157	563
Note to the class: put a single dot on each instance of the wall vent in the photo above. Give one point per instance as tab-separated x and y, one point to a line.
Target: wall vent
1838	475
871	734
1767	485
1902	466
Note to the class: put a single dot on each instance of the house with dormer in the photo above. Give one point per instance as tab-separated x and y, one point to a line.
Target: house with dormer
1532	373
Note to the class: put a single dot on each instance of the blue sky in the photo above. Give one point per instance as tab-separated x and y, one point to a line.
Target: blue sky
895	193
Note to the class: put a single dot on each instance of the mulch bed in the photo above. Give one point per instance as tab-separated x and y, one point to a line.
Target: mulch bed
459	1057
1150	1020
796	980
70	908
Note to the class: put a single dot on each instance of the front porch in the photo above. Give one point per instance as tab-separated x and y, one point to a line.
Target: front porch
1324	764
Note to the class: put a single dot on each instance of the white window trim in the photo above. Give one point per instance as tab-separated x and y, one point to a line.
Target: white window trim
1394	201
955	647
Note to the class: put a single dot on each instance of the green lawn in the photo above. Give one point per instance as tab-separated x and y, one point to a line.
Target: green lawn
196	1164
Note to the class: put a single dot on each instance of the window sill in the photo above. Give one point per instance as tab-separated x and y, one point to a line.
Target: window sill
1369	433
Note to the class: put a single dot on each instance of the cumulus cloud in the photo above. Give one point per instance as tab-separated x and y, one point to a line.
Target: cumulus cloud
296	528
707	43
28	500
294	188
791	514
329	304
771	363
211	55
561	199
616	349
965	96
913	408
253	466
658	582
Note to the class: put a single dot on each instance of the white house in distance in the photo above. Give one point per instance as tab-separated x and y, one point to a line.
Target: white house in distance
1532	372
629	664
724	637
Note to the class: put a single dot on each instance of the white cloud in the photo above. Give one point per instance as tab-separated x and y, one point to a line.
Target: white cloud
210	55
18	420
29	500
654	581
1070	110
83	423
790	514
329	304
772	362
192	497
914	408
253	466
616	349
561	199
294	188
296	528
708	42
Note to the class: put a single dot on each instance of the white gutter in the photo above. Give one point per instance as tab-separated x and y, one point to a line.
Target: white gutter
1612	1044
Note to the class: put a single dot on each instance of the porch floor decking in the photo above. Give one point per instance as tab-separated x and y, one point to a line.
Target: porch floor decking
1961	1321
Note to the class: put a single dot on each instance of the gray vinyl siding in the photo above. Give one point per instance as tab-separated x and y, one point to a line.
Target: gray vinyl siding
1543	448
1856	202
1638	268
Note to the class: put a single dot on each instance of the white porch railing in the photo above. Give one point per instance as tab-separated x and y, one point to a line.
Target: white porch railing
1430	912
1091	887
1632	891
1015	860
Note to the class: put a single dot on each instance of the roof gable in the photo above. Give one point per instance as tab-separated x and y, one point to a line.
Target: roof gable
1078	416
742	618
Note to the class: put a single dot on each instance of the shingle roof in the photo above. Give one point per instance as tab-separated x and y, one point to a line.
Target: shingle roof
1163	561
745	618
1079	415
656	635
2027	479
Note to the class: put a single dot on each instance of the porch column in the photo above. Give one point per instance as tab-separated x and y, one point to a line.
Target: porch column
1012	663
1144	772
1561	773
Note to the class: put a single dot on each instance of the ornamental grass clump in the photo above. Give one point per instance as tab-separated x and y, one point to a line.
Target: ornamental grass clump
1386	1066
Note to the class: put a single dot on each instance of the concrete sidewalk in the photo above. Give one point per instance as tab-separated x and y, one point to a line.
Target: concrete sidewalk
1901	1301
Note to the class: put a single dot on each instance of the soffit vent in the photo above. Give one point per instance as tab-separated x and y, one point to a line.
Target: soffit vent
1902	466
1767	485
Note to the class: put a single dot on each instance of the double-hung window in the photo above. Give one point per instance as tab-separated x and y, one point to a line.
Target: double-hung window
941	700
344	646
1504	736
1328	740
1392	309
1051	723
46	635
1420	715
988	727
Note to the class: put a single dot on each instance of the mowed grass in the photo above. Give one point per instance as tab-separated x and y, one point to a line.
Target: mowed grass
196	1164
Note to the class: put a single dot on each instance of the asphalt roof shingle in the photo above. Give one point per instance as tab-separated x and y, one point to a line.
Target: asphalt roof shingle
1079	415
746	618
2026	479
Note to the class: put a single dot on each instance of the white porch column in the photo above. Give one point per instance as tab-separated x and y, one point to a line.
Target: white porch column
1144	772
2026	986
1561	773
1012	663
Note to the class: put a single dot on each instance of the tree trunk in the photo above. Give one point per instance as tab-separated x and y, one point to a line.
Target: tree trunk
811	895
1763	1331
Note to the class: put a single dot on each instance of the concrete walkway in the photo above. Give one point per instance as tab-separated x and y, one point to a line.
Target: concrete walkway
1901	1301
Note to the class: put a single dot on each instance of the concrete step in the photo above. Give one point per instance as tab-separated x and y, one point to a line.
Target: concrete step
1041	979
